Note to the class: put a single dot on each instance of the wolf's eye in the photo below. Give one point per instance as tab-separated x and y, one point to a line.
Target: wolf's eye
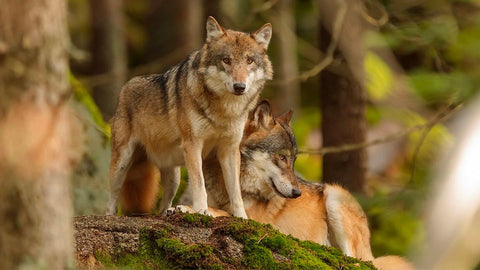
227	60
249	60
283	157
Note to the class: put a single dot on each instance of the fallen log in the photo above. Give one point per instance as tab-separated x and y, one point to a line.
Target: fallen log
185	241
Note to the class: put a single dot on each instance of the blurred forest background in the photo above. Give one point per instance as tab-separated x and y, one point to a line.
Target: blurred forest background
374	84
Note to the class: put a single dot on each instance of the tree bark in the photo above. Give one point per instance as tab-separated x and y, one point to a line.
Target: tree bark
288	66
109	54
343	97
190	19
36	151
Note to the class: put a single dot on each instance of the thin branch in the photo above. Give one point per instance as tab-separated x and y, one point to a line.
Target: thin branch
383	18
261	238
153	66
425	132
443	115
265	6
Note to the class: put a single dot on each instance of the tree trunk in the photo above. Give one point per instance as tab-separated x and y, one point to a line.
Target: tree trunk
190	19
35	133
288	66
343	98
109	55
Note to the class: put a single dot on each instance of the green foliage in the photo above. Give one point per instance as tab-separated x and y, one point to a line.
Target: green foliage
302	126
395	222
379	77
437	138
443	88
466	49
437	31
309	166
373	115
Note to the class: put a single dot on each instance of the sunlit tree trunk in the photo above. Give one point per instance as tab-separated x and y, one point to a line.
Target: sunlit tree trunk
108	50
343	96
35	137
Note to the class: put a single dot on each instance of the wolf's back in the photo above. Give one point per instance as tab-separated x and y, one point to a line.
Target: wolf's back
156	93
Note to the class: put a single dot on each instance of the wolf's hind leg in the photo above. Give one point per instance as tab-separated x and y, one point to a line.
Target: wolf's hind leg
170	178
120	164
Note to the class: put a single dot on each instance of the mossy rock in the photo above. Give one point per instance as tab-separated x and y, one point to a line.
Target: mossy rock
227	243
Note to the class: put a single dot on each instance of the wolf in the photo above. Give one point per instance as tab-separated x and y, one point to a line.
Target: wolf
195	109
272	193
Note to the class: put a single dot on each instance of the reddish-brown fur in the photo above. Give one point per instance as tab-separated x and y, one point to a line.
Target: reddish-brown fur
140	190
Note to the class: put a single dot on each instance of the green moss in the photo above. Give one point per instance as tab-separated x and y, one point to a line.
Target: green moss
275	243
257	257
262	241
127	261
168	251
198	220
83	96
263	248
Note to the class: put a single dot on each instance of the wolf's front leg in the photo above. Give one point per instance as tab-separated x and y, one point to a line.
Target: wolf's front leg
229	158
196	185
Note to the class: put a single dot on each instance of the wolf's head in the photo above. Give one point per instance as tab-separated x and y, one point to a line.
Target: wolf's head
268	153
235	62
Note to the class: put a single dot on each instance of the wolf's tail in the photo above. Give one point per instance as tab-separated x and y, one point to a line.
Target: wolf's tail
349	227
140	189
347	223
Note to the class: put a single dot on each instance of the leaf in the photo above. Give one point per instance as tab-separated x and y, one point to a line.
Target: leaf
379	77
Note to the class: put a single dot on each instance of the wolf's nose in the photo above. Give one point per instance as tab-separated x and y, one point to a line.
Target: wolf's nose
296	193
239	88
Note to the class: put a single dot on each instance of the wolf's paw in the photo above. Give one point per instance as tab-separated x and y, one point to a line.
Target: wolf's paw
205	212
180	209
241	214
188	210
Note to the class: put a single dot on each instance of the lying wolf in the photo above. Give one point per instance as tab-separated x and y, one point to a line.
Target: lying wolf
324	213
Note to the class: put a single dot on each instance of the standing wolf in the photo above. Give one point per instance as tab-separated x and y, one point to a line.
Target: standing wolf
196	108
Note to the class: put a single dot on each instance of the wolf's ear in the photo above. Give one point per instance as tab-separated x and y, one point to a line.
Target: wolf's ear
214	29
263	35
262	116
286	117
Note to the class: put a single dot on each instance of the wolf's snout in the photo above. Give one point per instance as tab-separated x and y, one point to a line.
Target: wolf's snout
296	193
239	88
